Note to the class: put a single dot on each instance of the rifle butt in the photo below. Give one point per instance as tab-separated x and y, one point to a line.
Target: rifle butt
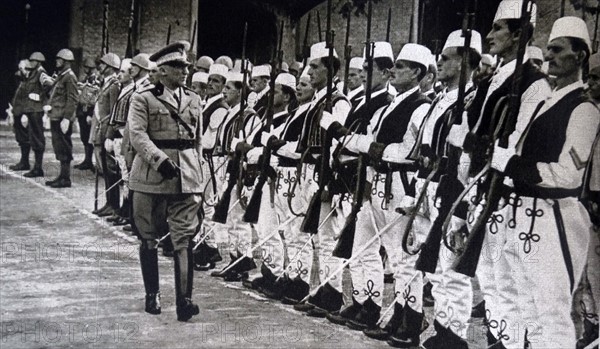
253	210
343	247
310	224
430	251
222	207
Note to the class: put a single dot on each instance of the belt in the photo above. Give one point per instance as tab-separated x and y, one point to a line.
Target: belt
545	193
180	144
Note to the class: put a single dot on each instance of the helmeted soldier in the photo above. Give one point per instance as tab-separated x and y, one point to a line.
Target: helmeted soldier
90	87
21	122
63	102
165	124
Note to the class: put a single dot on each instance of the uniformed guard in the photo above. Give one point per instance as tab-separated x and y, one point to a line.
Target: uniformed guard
63	100
107	97
90	87
165	124
259	98
38	84
390	136
20	125
199	82
356	89
427	84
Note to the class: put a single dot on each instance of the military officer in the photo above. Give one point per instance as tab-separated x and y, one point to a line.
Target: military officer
20	118
165	124
63	103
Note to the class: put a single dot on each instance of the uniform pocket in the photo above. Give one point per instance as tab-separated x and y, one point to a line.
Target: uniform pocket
157	119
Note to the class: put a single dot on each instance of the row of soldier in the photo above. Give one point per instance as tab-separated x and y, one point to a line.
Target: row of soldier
394	158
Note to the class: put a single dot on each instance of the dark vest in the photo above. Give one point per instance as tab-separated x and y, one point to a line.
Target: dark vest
311	129
393	128
207	113
365	114
228	131
356	99
261	105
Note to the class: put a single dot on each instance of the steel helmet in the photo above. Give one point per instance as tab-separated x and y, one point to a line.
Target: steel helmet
141	60
112	60
65	54
89	62
37	56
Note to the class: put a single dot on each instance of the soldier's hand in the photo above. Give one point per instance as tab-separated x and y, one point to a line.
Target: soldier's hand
109	145
168	169
24	120
64	125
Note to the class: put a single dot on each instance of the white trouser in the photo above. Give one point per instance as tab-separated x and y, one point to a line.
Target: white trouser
218	231
239	232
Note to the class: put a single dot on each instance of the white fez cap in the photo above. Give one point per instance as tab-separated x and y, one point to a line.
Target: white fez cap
200	77
285	67
381	49
225	60
218	69
535	52
319	50
356	63
235	76
286	79
594	61
297	66
416	53
573	27
261	70
204	62
511	9
456	39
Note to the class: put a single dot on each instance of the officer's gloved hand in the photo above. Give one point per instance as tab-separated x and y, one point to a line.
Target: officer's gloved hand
24	121
88	119
109	145
64	125
168	169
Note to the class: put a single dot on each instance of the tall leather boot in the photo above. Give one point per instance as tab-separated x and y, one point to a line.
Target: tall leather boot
391	327
184	280
23	164
37	170
64	179
86	164
408	333
149	263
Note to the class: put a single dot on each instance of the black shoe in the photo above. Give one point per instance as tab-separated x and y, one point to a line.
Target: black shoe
153	303
236	277
52	181
204	267
445	338
35	172
107	213
278	288
478	311
21	166
366	318
590	334
228	270
127	227
186	309
330	300
303	307
61	183
295	292
85	166
101	209
113	218
390	328
121	221
408	333
345	314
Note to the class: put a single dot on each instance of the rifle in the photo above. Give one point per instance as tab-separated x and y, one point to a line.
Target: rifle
253	210
389	25
104	48
129	49
449	187
343	247
347	54
222	206
310	223
319	26
305	47
194	36
595	42
169	34
467	262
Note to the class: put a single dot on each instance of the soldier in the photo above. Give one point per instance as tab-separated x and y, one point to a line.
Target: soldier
90	87
199	82
37	84
215	111
203	64
355	80
226	61
259	98
296	69
165	124
20	118
63	100
547	166
107	97
428	83
536	56
390	136
327	298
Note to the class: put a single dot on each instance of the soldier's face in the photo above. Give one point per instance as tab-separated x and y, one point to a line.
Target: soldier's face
562	60
134	71
448	65
153	76
317	72
60	63
354	78
379	78
231	93
402	76
215	85
258	84
304	90
500	39
124	76
594	83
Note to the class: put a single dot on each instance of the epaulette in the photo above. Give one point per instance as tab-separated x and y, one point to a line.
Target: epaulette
146	88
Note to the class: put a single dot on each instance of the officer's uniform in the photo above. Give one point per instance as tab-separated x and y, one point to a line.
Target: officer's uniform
165	128
19	103
90	87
